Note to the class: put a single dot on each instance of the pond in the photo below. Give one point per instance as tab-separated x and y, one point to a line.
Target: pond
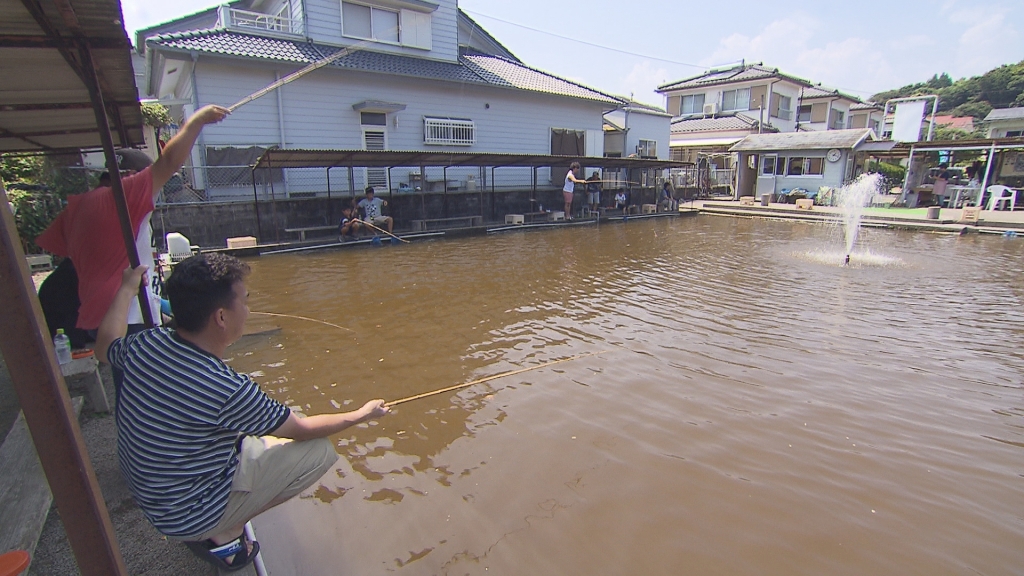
756	408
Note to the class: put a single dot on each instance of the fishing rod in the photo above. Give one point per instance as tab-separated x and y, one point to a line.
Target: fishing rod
381	230
301	318
488	378
298	74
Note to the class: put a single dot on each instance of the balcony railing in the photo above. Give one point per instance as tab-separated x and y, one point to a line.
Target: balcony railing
235	18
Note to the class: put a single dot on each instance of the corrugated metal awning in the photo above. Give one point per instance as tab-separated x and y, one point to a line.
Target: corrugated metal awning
278	158
44	104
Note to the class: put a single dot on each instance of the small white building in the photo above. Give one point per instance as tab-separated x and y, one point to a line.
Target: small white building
775	163
1005	123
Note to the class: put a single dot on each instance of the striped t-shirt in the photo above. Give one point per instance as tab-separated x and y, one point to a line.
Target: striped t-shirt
180	414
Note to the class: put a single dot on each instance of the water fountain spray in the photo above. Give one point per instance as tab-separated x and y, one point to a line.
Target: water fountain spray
852	199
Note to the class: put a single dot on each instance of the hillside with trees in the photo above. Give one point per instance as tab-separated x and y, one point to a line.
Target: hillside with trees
1001	87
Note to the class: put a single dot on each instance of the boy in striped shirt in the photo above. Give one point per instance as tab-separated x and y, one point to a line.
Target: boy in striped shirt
202	448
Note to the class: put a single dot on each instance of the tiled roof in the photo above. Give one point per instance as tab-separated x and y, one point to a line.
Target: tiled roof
817	140
819	92
865	106
713	124
731	75
472	67
1005	114
233	44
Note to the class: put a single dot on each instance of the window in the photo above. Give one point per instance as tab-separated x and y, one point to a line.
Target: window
837	120
785	108
803	113
451	131
373	118
693	104
736	99
369	22
1014	133
873	124
566	142
647	149
768	165
801	166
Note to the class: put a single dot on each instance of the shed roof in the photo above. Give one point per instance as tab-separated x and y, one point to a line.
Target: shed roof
278	158
473	67
1005	114
44	103
819	140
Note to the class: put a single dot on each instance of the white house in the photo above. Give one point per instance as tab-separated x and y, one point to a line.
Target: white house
418	75
1005	123
639	129
718	108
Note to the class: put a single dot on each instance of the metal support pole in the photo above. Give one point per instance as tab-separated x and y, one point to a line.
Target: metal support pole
103	124
32	364
494	197
906	176
988	170
330	209
444	203
351	181
256	207
273	201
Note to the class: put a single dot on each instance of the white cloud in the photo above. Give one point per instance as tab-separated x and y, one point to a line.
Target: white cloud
641	82
984	45
804	46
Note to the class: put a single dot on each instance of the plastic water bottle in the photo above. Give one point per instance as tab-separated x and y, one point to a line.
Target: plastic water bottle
62	344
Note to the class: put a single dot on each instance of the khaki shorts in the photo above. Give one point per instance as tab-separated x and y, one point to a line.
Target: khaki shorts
271	470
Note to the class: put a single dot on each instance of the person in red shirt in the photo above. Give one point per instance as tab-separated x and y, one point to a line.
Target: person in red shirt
88	230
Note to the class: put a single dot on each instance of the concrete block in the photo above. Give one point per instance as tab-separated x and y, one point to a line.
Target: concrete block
971	214
242	242
804	204
746	200
514	219
649	209
557	215
39	262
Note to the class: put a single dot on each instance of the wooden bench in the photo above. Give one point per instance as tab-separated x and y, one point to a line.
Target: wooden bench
424	224
24	492
530	217
302	231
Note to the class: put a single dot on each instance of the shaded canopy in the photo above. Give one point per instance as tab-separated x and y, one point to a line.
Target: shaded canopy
45	50
277	158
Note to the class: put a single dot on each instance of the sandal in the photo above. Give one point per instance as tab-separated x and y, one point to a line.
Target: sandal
216	554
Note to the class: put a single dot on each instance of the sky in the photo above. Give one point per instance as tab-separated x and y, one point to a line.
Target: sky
860	48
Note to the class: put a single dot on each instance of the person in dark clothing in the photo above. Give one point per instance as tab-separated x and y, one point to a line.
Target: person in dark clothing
58	297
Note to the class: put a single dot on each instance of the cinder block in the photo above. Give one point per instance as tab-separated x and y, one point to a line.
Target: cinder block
555	216
746	200
39	262
649	209
804	204
971	214
242	242
514	219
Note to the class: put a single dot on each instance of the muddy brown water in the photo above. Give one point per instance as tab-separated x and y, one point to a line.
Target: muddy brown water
759	409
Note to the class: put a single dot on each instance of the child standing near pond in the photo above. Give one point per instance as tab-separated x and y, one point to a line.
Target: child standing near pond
570	184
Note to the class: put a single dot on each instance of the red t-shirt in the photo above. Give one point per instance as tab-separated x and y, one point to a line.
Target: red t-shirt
89	232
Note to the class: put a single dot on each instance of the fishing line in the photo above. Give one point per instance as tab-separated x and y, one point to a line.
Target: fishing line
380	230
488	378
301	318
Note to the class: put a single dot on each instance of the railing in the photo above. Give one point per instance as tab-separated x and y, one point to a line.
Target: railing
235	18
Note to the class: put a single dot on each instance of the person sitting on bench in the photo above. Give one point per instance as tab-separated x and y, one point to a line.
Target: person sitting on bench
372	213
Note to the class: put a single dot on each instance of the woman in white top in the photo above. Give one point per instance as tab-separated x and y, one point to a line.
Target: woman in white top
567	189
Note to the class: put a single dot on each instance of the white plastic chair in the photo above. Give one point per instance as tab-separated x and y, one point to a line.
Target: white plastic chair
178	247
999	194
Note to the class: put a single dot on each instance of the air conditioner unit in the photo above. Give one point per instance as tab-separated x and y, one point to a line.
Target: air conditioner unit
711	108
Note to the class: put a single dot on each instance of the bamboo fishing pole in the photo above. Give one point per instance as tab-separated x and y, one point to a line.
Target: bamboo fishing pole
488	378
382	230
298	74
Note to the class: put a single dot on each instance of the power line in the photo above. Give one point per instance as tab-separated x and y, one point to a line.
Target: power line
610	49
